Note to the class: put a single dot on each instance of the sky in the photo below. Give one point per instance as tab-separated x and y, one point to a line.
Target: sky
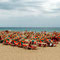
29	13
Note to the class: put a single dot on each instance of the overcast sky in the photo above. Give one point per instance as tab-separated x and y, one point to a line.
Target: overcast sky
29	13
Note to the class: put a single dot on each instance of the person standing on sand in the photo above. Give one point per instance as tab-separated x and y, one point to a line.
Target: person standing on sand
0	37
29	46
1	41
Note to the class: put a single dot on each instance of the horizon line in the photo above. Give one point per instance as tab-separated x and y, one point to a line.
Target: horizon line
29	27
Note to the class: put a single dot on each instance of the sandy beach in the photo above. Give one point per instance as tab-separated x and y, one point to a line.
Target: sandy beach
15	53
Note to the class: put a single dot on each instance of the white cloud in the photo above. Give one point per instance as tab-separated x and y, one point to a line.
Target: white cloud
34	8
4	0
50	5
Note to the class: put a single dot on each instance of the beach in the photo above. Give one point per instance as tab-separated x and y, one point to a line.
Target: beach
29	45
29	29
15	53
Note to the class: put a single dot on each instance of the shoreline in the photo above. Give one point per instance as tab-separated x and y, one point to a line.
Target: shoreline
37	29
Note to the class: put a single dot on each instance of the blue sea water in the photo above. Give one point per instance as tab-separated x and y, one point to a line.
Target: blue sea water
37	29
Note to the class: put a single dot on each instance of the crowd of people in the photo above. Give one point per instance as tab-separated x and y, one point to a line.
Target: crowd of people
30	40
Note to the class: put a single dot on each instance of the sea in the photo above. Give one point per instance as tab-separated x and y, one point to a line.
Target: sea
35	29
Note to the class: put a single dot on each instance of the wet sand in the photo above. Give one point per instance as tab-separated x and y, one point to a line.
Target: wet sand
15	53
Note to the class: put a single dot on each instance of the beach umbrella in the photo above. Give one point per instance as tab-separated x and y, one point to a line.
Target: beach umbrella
33	47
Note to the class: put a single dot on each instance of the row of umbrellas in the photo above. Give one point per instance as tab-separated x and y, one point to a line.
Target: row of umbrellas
30	40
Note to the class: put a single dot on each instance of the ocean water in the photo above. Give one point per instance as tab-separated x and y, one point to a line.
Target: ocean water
37	29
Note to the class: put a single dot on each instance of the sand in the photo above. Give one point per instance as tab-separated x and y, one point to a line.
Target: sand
15	53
